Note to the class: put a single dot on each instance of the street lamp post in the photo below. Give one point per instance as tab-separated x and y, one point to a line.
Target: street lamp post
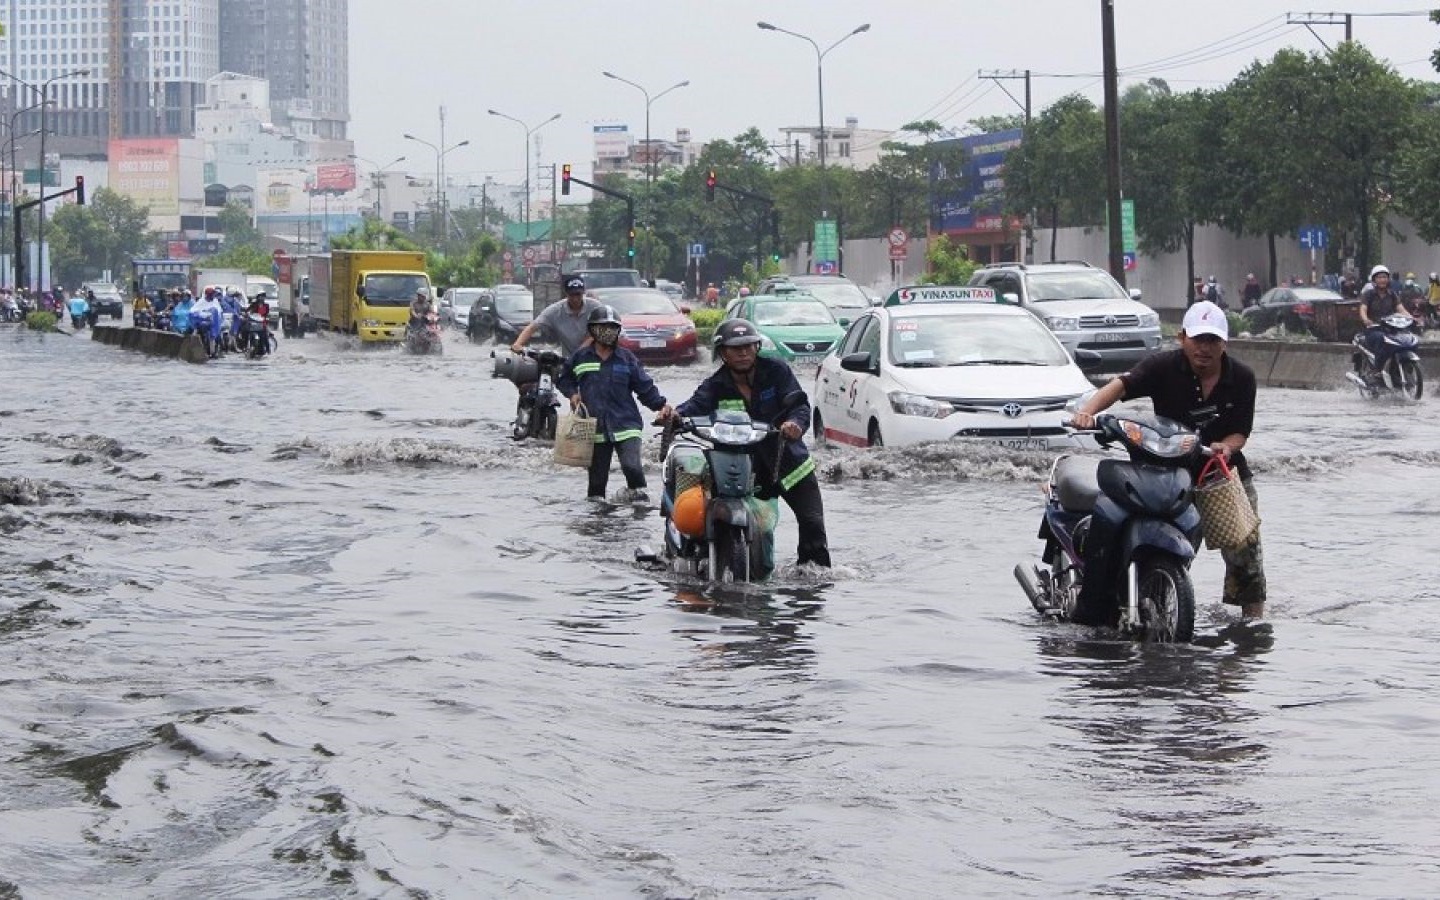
820	82
439	174
379	170
528	131
44	104
649	164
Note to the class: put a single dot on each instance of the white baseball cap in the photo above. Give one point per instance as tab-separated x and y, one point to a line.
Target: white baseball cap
1206	318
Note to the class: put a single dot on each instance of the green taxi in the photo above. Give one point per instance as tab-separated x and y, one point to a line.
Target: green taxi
794	326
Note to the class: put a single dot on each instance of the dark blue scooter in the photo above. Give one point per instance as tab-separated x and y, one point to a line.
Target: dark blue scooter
1120	535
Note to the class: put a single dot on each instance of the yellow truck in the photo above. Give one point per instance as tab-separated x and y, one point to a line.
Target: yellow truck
368	292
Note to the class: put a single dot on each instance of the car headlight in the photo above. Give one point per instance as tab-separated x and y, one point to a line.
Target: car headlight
766	343
370	323
685	329
1149	320
1062	323
919	405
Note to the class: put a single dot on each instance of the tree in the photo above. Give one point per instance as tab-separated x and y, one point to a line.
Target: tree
372	234
105	235
949	263
250	259
1059	170
238	226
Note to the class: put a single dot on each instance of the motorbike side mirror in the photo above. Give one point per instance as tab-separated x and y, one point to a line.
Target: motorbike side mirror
858	362
793	400
1089	361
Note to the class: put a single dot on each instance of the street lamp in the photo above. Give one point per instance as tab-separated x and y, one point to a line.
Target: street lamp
528	131
379	170
649	151
820	81
441	208
44	104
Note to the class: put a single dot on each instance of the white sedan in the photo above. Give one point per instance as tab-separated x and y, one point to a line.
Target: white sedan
933	371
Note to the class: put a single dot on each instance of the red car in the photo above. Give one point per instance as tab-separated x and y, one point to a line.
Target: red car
652	326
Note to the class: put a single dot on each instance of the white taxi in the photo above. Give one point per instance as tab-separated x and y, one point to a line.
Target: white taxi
936	363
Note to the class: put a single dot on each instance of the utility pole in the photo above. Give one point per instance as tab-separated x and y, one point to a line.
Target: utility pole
1311	19
998	77
1112	141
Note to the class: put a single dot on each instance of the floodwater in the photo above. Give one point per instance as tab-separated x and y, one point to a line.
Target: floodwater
314	627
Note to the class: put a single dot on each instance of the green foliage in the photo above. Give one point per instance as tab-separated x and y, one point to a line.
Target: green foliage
1059	171
706	321
248	258
472	267
105	234
949	263
40	321
372	234
238	226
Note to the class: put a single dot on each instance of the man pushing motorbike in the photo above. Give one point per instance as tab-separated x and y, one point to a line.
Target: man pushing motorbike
568	321
1203	388
746	381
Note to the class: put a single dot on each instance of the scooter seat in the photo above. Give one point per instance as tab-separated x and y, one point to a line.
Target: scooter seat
1076	483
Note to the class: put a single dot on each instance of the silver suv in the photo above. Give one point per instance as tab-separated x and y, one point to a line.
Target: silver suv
1083	305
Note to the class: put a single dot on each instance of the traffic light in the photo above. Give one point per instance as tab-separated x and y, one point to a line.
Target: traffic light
630	252
79	189
565	179
710	187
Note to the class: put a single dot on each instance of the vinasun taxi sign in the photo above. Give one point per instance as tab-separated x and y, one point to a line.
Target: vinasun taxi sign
925	293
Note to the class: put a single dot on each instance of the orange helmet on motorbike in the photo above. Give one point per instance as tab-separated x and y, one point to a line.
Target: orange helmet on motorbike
689	513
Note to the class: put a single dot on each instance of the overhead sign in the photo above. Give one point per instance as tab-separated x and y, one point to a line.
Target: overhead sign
940	294
970	200
1314	237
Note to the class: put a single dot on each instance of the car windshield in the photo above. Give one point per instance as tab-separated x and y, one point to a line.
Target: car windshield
973	340
514	302
394	290
1081	285
1312	294
639	303
792	312
838	294
465	299
151	281
603	279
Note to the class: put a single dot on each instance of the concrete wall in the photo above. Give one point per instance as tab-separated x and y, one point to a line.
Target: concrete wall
187	348
1320	366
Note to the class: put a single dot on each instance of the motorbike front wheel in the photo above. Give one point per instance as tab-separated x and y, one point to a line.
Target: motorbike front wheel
1167	600
1405	374
730	556
545	422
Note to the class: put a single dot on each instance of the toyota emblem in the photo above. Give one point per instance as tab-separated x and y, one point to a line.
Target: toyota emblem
1110	320
809	348
1012	410
649	326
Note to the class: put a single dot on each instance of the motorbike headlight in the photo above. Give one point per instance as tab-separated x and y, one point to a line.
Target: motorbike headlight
1149	320
1152	441
734	433
1063	323
919	405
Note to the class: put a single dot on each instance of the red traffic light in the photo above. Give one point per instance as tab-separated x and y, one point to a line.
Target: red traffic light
565	179
710	186
80	189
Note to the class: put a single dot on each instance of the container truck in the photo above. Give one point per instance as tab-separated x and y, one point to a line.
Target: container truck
369	292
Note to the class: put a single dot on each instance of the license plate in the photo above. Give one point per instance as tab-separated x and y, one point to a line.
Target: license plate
652	344
808	358
1025	443
1109	338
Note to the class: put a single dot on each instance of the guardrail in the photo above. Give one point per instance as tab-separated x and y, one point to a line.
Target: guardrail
187	348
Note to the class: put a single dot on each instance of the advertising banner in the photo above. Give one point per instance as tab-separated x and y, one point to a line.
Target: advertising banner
970	200
612	141
147	170
336	178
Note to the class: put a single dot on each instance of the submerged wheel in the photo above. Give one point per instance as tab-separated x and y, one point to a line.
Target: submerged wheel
1410	379
873	435
1167	601
819	429
546	427
731	553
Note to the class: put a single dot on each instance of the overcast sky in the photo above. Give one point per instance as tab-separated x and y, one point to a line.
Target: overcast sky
919	60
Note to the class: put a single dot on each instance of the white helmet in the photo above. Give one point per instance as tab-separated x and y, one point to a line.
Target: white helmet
1378	270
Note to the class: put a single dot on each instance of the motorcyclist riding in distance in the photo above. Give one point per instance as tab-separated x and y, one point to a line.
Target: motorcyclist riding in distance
1377	301
420	307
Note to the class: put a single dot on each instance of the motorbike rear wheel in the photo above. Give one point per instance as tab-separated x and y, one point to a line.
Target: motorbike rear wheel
1408	378
1167	601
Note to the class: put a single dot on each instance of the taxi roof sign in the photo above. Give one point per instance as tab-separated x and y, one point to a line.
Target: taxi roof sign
933	293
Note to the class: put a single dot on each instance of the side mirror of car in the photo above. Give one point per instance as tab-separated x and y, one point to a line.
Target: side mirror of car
859	362
1012	298
686	310
1088	360
360	292
1135	294
844	323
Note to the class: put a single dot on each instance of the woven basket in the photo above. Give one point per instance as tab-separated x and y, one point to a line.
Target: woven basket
575	439
1226	516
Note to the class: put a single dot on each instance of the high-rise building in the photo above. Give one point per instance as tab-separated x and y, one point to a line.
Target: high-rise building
302	48
166	50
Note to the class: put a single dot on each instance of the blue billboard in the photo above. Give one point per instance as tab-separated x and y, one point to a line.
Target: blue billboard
969	200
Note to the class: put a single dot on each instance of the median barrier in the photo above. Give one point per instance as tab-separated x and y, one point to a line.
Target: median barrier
1316	366
187	348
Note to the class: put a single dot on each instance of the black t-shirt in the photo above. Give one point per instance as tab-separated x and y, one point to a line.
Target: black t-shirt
1167	379
1378	305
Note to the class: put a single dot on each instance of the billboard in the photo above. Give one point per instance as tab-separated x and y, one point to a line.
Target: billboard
970	200
281	192
612	141
147	170
337	178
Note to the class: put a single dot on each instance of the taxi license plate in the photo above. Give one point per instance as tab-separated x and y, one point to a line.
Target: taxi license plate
1109	338
808	358
653	344
1024	443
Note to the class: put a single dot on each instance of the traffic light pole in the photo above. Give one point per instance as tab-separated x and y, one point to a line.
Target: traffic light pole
78	190
618	195
769	202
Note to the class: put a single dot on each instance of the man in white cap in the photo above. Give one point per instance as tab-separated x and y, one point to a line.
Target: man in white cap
1201	387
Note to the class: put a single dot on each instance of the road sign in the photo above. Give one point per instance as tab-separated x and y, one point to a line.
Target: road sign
825	267
528	255
1127	227
899	251
508	256
1132	262
897	237
697	251
827	242
1314	237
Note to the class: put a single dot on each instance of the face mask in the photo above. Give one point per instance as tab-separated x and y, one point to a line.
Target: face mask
605	334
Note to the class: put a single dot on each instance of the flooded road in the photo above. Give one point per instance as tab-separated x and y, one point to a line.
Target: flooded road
315	626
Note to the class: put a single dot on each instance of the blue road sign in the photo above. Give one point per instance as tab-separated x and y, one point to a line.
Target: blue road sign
697	251
1132	262
1314	238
